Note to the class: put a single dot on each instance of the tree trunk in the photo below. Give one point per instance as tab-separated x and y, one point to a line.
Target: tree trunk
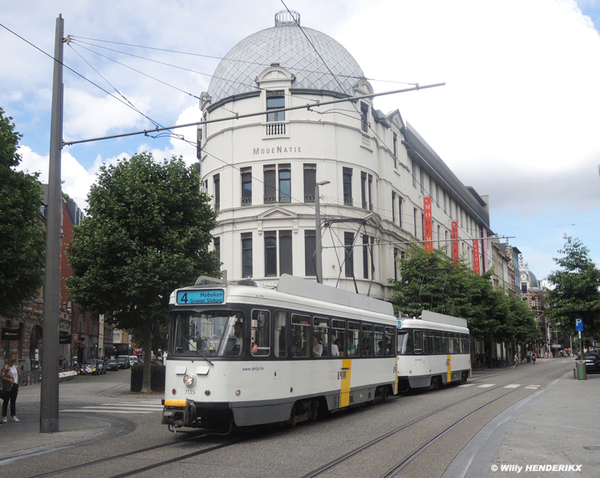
146	381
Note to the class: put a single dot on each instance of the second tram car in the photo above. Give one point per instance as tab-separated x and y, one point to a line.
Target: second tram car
432	350
247	355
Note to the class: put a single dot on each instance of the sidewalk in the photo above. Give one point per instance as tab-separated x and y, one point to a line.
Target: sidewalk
551	433
24	438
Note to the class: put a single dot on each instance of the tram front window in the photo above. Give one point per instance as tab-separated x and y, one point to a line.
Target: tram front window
210	333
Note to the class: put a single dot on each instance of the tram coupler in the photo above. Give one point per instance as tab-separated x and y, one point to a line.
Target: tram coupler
178	413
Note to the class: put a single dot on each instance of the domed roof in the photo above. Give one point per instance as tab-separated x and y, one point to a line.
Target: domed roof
294	49
529	276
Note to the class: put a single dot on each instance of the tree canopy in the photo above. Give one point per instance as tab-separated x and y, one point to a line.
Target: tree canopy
22	235
147	233
576	290
433	281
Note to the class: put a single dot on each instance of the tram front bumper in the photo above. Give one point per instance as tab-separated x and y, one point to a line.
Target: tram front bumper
179	413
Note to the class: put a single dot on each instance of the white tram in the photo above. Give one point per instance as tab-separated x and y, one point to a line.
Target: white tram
247	355
432	350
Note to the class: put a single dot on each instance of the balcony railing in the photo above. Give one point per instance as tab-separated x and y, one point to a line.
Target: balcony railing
275	128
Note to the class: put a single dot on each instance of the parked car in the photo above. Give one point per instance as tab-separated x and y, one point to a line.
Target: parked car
112	364
592	362
93	365
123	361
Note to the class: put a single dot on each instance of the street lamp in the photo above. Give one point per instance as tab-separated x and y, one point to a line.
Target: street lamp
319	247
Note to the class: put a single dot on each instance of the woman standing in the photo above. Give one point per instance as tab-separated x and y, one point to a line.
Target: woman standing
10	386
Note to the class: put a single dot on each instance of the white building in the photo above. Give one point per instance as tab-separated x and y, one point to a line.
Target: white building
261	170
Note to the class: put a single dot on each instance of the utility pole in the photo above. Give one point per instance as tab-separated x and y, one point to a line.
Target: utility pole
49	392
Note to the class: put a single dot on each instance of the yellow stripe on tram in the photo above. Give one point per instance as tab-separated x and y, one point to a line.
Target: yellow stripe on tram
396	377
345	379
449	362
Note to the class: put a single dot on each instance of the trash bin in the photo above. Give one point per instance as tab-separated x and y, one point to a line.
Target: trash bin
580	372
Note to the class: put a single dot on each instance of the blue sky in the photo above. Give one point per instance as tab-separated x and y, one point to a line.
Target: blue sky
517	120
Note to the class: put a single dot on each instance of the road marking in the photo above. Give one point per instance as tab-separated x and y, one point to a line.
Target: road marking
486	385
533	387
466	385
119	407
513	385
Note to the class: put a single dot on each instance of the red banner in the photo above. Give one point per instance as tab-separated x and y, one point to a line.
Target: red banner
455	252
428	224
476	256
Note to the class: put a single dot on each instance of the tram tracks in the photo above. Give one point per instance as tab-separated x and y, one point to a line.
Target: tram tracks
426	444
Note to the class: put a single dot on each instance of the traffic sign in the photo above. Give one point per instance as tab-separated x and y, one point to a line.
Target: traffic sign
578	324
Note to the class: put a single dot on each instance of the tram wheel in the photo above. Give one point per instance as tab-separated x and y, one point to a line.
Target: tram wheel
435	383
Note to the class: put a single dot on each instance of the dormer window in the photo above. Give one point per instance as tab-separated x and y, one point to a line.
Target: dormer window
275	101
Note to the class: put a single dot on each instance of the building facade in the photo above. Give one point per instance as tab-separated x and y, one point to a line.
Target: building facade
319	147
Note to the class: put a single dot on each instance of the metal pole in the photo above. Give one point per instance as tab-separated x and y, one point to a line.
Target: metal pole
49	389
318	245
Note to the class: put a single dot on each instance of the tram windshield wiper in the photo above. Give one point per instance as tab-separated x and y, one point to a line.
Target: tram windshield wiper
195	349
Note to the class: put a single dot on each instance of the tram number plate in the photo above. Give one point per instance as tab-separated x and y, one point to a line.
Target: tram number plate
342	375
212	296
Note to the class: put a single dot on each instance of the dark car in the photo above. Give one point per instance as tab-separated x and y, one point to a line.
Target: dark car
111	364
123	362
592	362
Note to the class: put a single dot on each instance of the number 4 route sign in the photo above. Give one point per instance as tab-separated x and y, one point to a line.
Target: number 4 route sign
578	324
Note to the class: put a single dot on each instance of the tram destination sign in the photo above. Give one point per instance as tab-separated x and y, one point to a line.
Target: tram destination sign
206	296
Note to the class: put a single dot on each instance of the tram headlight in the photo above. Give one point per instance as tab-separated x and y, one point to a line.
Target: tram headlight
188	380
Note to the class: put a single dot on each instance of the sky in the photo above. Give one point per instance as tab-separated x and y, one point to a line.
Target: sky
518	118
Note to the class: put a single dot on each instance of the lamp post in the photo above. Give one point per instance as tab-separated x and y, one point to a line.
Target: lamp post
318	245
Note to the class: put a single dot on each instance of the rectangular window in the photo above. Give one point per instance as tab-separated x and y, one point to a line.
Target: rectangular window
395	264
347	179
310	246
415	220
275	100
364	116
261	337
301	342
379	340
320	337
393	206
431	187
270	253
414	175
437	194
353	339
217	184
370	192
247	254
418	341
285	252
338	338
349	259
363	189
400	211
217	243
310	174
269	181
285	183
422	180
395	142
246	186
279	335
365	247
367	340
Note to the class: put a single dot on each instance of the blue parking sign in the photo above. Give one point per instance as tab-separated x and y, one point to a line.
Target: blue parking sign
578	324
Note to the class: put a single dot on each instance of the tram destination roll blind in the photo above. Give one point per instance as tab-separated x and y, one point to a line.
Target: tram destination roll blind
210	296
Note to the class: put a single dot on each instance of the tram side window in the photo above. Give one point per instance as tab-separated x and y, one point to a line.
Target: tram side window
367	340
338	338
465	344
418	336
390	333
300	336
426	349
320	337
379	342
261	332
279	336
451	344
353	339
441	343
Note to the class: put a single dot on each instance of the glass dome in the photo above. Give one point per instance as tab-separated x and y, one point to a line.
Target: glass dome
294	49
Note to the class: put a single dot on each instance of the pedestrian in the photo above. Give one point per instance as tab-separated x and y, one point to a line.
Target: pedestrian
516	359
533	358
10	386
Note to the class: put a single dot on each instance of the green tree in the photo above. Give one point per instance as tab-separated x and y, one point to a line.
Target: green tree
575	291
22	236
147	233
433	281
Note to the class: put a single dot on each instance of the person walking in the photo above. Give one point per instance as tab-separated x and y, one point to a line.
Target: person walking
533	357
10	386
516	359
